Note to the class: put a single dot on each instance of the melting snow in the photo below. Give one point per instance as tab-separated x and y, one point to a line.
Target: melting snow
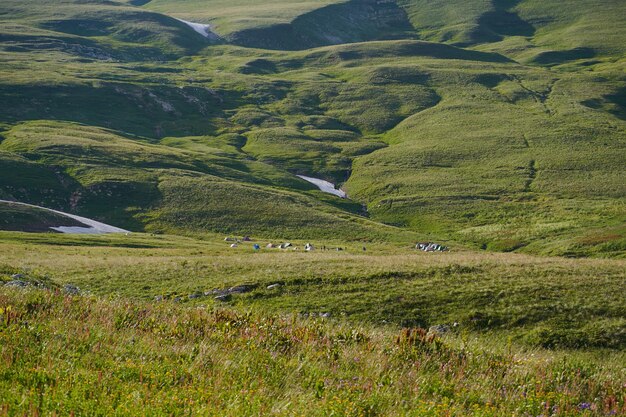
325	186
201	28
91	226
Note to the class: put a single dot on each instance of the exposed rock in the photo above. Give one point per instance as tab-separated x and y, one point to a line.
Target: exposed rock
158	298
17	276
16	283
274	286
195	295
71	289
439	329
223	297
240	289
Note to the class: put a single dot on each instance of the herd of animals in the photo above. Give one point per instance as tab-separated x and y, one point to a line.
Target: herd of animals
423	246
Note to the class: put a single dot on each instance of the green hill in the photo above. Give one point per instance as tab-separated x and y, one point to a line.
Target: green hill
498	125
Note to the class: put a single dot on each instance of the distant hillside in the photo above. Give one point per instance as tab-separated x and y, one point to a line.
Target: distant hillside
499	125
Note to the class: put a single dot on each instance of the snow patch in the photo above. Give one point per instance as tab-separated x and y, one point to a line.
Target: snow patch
325	186
201	28
77	230
91	226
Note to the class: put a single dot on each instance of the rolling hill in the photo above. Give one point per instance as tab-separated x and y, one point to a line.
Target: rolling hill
498	125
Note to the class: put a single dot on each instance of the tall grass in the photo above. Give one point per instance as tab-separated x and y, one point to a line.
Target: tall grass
89	356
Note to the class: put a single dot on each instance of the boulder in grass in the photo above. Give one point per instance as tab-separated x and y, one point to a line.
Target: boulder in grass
223	297
71	289
240	289
439	329
273	286
16	283
195	295
17	276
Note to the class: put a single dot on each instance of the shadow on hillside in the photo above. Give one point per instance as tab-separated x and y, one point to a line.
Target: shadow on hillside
376	49
613	103
500	22
560	57
353	21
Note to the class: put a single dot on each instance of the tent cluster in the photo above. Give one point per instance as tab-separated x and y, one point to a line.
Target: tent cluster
308	247
431	247
285	245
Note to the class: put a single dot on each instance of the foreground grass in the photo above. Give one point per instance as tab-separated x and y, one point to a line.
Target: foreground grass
84	355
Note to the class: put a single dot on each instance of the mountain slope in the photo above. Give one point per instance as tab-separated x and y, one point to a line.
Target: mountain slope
141	185
506	132
528	29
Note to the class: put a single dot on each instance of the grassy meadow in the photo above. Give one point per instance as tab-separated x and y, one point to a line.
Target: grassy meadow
520	334
93	356
548	302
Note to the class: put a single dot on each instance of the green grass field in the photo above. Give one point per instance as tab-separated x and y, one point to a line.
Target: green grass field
527	334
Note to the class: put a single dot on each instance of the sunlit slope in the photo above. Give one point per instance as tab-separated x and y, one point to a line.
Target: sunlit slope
287	25
94	30
531	30
490	141
140	186
504	159
544	32
228	16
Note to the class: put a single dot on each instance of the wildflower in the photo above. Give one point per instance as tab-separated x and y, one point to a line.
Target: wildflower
584	406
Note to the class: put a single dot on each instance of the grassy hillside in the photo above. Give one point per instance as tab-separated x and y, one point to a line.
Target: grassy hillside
96	29
230	16
492	127
205	184
545	32
502	131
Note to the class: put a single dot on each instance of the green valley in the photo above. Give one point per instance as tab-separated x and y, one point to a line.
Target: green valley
494	128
